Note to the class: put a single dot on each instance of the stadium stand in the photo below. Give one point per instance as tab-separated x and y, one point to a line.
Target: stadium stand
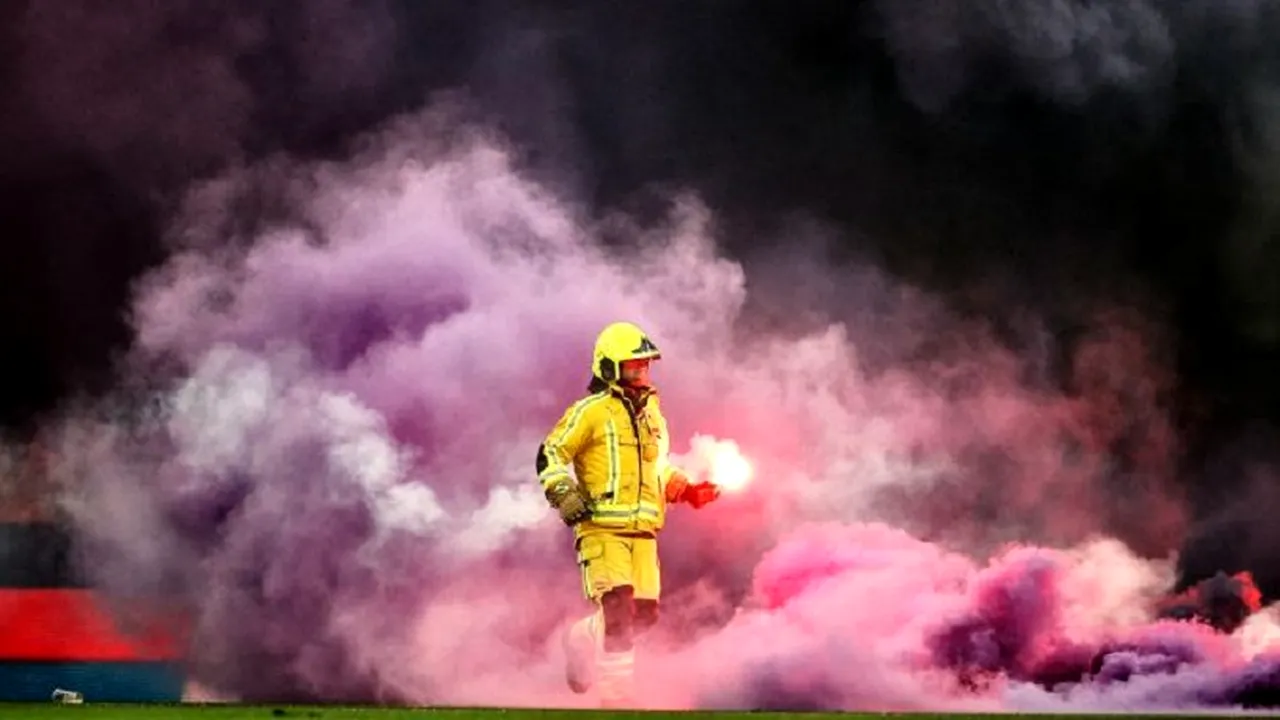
55	631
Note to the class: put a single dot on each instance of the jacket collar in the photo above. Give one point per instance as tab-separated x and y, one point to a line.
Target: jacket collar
636	400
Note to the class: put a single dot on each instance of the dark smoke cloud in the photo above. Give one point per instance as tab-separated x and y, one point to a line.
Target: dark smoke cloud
1067	52
1170	95
158	92
146	88
110	112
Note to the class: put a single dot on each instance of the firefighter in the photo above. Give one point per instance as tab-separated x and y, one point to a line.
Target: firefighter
604	468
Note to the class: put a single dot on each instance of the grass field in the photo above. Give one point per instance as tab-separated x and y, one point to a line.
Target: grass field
287	712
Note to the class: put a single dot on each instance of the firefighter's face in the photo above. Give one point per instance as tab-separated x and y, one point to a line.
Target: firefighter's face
635	373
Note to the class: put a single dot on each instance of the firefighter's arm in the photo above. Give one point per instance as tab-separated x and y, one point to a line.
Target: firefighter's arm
555	456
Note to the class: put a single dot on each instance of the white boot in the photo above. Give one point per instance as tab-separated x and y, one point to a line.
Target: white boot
617	679
581	650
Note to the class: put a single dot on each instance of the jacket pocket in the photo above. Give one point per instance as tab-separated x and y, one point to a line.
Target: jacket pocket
590	550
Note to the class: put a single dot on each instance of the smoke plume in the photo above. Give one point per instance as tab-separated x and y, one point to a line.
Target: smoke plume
323	464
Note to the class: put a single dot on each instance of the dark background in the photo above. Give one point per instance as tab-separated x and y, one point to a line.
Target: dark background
1117	153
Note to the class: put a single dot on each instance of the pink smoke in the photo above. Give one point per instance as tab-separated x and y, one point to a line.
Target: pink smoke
866	617
333	480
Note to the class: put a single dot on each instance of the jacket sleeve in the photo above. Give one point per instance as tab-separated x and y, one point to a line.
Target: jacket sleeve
569	436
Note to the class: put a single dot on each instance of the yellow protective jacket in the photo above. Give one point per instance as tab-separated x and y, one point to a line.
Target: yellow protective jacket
619	456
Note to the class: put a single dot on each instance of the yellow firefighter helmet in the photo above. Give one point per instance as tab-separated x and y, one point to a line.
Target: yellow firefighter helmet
617	343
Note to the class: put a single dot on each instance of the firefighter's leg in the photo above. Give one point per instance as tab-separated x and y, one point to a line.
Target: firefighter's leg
616	665
630	610
647	576
599	644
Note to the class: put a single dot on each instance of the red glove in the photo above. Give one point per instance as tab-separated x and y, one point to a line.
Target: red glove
701	494
679	489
